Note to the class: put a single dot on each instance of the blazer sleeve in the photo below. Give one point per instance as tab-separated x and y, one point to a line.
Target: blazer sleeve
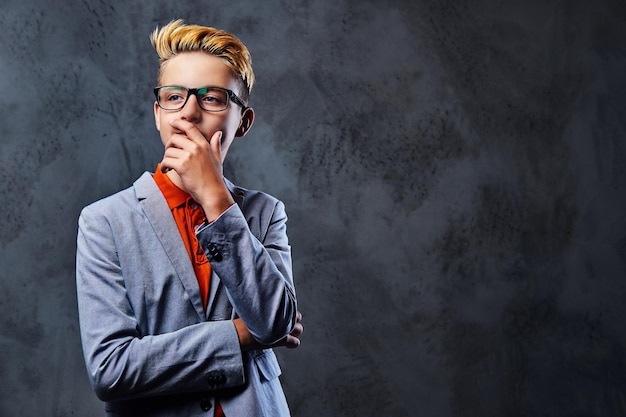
121	362
256	272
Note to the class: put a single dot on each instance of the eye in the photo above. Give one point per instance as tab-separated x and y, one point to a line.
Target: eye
208	98
214	98
172	95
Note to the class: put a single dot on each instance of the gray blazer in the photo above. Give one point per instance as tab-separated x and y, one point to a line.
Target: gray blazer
150	348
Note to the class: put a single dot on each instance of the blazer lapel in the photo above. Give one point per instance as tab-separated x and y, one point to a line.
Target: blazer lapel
153	204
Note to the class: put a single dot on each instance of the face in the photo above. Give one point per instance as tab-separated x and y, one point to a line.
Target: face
195	70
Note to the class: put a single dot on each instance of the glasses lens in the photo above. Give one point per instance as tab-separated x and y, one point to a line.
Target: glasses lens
172	98
212	99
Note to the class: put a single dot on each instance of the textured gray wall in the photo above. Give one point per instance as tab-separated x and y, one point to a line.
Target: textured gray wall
454	173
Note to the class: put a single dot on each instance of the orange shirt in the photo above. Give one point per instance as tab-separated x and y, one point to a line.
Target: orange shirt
188	216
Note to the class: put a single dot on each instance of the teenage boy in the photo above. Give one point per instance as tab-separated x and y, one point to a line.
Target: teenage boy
184	280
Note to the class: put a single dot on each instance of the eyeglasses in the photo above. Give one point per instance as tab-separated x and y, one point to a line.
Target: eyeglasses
174	97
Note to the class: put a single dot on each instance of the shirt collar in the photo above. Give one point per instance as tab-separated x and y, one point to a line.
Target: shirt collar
174	196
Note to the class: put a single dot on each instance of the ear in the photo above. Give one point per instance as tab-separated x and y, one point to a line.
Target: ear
157	116
247	118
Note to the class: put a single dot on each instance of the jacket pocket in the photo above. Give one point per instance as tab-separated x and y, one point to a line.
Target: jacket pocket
267	364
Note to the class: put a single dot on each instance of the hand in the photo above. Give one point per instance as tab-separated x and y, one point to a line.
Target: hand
292	340
198	165
247	342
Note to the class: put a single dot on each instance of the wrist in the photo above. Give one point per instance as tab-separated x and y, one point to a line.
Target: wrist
246	341
215	209
215	204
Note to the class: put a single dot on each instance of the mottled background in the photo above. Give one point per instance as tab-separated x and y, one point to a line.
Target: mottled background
454	174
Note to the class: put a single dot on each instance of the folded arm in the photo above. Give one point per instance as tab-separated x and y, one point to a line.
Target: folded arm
256	272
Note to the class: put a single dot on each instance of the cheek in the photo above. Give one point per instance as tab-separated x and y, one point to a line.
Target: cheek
234	123
163	124
224	149
211	125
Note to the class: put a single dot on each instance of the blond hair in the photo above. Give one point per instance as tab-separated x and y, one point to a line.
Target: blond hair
177	37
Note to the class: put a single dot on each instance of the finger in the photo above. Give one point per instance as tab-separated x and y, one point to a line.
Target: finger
173	152
298	329
167	164
292	342
216	144
181	148
188	130
172	158
179	141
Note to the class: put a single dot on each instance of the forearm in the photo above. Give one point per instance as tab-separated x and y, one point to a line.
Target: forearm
257	277
171	363
134	347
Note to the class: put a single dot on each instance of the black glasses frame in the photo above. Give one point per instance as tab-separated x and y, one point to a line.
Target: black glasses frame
195	91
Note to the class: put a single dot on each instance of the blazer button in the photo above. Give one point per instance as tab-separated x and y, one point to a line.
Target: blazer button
205	404
214	252
216	378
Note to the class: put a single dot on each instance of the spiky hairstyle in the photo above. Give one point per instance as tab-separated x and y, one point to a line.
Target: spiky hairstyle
177	37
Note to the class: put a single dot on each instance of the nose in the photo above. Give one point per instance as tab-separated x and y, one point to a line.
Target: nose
191	111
